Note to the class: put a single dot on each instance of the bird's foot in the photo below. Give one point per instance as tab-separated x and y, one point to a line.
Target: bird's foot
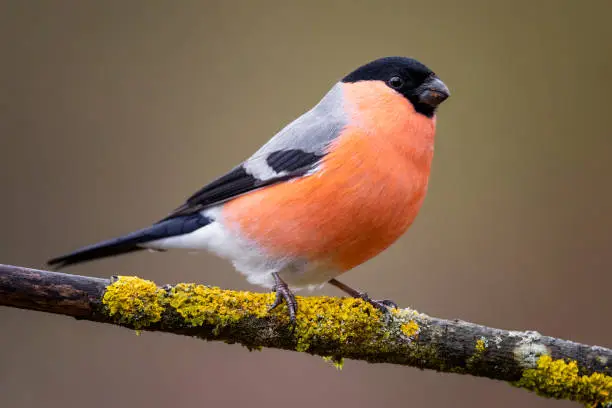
382	305
284	293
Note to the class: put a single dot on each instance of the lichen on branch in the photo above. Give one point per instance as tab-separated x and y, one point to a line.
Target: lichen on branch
133	301
333	328
140	303
561	379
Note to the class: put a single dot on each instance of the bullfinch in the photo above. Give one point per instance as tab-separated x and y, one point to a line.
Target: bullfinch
329	191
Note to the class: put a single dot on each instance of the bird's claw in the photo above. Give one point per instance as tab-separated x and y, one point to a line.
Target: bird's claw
382	305
284	293
389	303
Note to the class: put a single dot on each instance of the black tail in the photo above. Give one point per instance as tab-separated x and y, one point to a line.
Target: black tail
134	241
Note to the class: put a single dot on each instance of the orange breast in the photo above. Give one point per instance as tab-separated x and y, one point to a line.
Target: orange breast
367	192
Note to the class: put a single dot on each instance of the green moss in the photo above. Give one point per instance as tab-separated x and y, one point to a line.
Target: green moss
134	301
410	329
560	379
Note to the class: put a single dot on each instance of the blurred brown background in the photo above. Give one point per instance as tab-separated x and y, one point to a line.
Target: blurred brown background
112	112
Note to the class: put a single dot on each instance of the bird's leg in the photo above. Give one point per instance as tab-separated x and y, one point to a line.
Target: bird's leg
284	293
379	304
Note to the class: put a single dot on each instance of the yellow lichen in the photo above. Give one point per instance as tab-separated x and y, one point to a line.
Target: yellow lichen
411	329
134	301
199	304
481	345
560	379
336	320
405	313
139	303
479	348
337	362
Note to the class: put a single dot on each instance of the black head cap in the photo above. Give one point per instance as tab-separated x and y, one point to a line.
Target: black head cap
407	76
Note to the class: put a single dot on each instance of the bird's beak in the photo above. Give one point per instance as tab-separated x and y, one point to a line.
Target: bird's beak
433	92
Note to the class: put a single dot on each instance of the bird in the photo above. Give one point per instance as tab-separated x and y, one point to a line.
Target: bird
331	190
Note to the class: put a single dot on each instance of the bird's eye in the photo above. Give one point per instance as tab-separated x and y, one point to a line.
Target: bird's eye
396	82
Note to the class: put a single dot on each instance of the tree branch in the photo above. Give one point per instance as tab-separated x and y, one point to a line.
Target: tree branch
331	327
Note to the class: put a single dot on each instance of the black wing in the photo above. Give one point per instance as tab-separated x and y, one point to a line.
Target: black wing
287	164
